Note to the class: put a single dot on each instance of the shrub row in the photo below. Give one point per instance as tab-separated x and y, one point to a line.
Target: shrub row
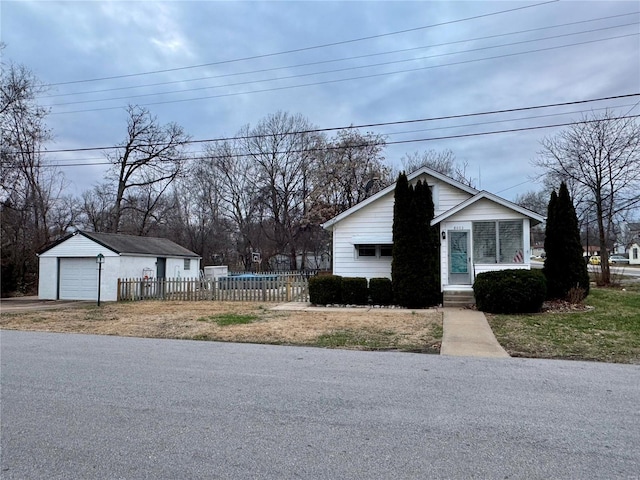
510	291
334	289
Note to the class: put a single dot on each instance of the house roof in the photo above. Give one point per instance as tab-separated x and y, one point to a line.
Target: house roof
412	176
493	198
132	244
477	195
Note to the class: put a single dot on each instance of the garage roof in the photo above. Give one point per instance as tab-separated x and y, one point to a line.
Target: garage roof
132	244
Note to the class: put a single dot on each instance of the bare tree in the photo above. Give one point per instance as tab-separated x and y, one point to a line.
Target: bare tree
31	192
600	157
350	170
443	162
283	150
229	184
146	163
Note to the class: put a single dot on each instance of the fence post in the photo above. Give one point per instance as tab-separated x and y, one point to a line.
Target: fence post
288	289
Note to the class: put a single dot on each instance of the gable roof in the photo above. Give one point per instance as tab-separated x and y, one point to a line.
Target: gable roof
412	176
132	244
493	198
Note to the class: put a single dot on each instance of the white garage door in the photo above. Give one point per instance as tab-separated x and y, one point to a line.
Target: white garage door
78	279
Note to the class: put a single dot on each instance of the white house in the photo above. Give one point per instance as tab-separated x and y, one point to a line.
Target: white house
479	232
69	268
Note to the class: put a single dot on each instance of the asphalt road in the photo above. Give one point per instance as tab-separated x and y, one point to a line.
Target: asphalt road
92	407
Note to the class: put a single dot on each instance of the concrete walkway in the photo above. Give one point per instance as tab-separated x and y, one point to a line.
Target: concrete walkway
466	333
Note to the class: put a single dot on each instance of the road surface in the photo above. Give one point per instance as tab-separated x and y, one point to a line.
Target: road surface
99	407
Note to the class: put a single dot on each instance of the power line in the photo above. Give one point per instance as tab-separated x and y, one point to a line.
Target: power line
357	57
326	82
345	69
379	124
398	142
303	49
449	127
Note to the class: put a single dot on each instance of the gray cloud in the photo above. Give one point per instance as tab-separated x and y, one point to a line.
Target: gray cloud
66	41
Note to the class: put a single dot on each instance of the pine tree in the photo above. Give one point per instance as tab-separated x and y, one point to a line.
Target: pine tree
564	266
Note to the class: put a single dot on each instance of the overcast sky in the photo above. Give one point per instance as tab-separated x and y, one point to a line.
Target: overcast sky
227	64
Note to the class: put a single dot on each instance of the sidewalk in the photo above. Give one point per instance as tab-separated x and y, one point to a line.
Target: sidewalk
466	333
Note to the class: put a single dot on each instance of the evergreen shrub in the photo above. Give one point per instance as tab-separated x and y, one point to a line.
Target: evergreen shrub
381	291
354	291
325	289
510	291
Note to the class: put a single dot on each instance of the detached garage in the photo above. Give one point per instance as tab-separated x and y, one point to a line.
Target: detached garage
69	267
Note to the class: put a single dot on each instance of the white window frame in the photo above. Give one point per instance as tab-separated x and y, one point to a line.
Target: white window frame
187	264
496	244
378	251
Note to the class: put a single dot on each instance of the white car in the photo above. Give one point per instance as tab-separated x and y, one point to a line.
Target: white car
618	259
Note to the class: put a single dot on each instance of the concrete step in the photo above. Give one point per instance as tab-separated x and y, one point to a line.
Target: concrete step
458	299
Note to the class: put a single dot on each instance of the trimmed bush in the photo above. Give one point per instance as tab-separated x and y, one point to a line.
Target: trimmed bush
354	291
325	289
381	291
510	291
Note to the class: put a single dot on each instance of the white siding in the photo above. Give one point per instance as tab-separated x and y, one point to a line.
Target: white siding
485	209
78	246
48	278
376	221
133	266
373	221
175	268
114	267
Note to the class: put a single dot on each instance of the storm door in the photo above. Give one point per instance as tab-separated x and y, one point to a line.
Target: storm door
459	258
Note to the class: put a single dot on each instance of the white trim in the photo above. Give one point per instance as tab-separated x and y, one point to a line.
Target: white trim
413	175
491	197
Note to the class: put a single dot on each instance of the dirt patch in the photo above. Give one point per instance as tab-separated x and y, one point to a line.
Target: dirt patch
358	328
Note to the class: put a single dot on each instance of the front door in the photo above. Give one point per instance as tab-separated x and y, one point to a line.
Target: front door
459	258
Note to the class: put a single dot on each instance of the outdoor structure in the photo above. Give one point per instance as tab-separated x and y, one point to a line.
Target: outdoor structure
479	232
71	267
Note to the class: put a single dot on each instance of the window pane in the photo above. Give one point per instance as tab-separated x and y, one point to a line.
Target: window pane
484	242
511	241
366	250
386	250
187	263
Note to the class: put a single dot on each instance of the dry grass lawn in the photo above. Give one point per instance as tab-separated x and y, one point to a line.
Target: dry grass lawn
375	329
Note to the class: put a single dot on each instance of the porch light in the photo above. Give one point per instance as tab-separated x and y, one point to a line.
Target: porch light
444	235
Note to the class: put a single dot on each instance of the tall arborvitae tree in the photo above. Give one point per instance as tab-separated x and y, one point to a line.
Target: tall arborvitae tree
428	248
404	275
415	268
564	266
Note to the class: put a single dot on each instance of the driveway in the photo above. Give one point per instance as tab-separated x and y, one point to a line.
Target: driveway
93	407
27	304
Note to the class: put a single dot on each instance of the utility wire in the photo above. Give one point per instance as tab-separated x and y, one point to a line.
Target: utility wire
379	124
357	57
398	142
304	49
345	69
449	127
362	77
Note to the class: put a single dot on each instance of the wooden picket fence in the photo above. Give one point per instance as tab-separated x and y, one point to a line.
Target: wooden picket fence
274	287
